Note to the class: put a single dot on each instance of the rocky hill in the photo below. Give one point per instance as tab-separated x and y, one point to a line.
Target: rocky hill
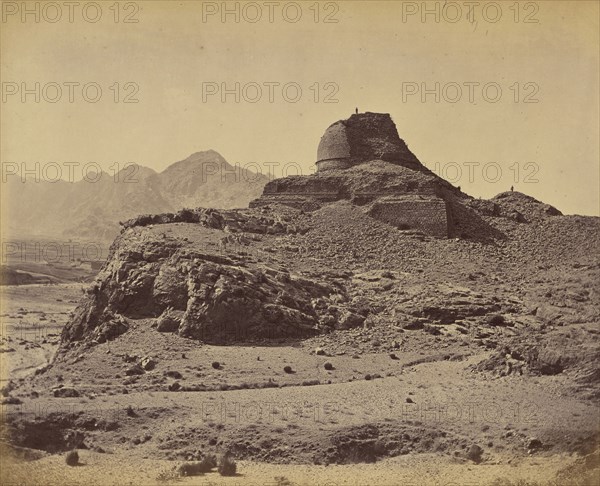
380	287
229	276
295	263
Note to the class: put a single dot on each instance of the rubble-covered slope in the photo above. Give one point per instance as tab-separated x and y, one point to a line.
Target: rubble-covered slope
276	272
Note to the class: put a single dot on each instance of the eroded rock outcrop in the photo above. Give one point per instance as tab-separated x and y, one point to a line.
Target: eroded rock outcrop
205	295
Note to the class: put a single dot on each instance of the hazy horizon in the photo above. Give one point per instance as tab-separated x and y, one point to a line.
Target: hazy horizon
172	50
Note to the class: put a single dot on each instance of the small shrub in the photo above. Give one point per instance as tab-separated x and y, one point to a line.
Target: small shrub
197	468
431	329
72	458
328	366
496	320
227	466
174	374
209	462
474	453
216	365
287	369
11	401
188	469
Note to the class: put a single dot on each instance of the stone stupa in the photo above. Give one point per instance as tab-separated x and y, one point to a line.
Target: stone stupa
363	160
361	138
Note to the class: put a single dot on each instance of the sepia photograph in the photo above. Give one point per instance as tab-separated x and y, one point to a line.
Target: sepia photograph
300	243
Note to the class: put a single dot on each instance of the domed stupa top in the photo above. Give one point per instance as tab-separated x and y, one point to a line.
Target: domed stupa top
361	138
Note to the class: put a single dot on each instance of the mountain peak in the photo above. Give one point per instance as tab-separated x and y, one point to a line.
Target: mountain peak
206	154
197	159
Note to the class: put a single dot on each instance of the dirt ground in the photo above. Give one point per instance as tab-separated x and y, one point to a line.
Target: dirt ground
32	319
436	410
477	366
424	470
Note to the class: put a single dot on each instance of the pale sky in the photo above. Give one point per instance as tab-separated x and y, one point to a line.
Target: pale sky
372	57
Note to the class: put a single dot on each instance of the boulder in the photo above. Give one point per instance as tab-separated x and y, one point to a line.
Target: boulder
349	320
169	321
134	370
65	392
474	453
110	329
148	363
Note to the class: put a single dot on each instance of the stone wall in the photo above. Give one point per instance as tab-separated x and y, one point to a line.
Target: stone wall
298	185
428	215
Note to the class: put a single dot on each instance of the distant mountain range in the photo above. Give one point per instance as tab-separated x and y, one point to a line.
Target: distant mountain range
92	210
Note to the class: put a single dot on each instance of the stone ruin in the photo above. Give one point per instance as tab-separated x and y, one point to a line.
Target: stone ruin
194	288
364	160
431	216
362	138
